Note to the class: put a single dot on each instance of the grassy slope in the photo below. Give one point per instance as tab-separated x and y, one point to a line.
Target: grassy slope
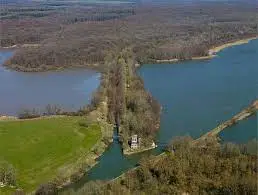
37	148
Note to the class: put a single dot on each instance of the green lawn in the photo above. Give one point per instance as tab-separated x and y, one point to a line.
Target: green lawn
37	148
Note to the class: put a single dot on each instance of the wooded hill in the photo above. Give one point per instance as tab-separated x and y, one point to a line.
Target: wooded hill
67	39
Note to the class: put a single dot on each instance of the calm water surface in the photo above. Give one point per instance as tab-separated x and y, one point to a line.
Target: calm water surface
70	89
196	96
242	132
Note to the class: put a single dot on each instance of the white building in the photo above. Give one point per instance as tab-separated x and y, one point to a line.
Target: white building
134	142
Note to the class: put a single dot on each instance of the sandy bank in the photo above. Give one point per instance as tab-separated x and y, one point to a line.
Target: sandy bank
212	51
21	46
226	45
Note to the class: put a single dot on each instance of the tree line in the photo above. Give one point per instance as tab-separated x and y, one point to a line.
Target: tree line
186	169
130	107
172	32
7	173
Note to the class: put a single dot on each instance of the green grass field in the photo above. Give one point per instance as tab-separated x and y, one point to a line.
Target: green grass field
37	148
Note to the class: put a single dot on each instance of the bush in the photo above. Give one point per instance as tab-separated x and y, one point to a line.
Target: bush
28	114
7	173
84	123
19	192
47	189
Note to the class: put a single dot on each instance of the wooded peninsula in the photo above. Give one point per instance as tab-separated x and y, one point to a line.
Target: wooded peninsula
115	39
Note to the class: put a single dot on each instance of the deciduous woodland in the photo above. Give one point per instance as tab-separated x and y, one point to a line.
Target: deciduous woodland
213	169
69	35
133	109
113	38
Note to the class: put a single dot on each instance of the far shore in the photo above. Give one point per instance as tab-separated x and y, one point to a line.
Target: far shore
21	45
212	52
238	42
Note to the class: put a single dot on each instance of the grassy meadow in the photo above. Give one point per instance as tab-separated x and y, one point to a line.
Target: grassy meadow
37	148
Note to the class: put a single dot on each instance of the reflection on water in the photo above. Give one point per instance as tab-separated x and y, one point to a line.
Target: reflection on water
70	89
195	96
242	132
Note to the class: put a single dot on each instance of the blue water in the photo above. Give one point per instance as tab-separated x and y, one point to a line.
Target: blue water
70	89
242	132
111	164
195	96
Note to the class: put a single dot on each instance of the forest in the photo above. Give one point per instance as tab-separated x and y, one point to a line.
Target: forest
130	106
183	169
73	35
114	38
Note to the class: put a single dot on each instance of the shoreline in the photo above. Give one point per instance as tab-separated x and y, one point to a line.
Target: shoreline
212	52
92	156
130	151
215	49
231	44
106	131
244	114
92	67
21	46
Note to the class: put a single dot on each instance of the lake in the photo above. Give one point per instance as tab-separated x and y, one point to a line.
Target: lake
242	132
70	89
195	96
198	95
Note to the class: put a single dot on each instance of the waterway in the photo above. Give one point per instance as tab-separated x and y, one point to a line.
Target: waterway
196	96
69	89
242	132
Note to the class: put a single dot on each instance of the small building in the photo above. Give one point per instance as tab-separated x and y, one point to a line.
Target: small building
153	145
134	142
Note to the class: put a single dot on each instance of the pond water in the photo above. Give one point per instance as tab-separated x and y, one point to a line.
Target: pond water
195	96
70	89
